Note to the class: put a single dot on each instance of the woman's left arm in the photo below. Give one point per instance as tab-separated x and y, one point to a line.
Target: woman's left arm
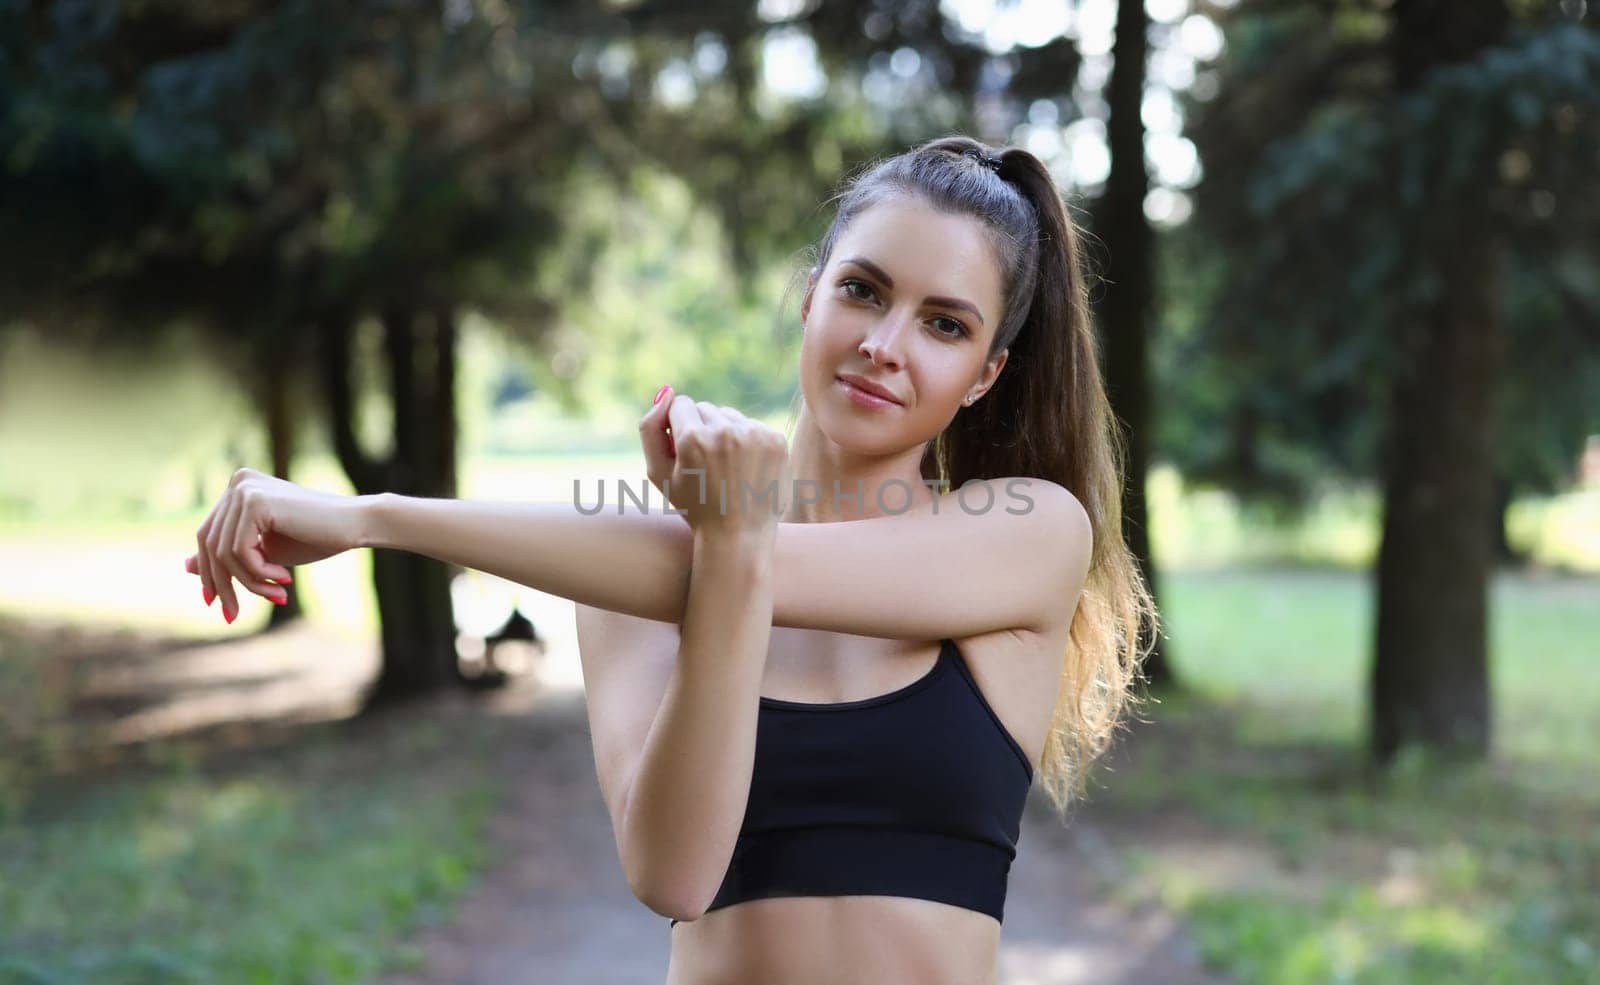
637	563
930	573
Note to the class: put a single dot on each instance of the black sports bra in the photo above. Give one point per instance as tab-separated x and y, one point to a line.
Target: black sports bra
918	792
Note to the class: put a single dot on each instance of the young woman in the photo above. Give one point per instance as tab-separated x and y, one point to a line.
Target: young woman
817	715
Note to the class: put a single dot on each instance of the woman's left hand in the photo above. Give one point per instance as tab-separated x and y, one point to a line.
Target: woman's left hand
260	527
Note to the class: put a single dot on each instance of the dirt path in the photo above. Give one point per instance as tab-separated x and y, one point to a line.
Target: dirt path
555	907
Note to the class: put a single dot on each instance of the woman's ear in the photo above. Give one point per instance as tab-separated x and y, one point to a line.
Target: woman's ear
998	363
805	302
991	370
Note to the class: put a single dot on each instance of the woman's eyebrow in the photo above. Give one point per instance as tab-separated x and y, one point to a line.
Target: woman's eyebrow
888	282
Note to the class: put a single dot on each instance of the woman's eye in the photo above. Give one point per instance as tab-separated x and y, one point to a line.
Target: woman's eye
952	327
848	286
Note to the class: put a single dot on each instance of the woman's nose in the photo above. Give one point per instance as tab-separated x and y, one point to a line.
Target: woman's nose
882	345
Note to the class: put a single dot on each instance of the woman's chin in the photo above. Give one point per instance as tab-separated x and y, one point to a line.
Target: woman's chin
866	438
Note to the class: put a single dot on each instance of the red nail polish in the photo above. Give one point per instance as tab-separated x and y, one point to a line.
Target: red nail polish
205	593
661	393
278	600
227	615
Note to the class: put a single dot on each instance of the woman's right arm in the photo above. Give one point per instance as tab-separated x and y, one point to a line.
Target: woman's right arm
681	811
684	804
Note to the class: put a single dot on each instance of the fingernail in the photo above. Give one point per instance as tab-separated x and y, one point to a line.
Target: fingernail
278	600
205	593
286	580
661	393
226	614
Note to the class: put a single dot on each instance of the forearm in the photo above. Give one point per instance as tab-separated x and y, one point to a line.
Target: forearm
637	563
686	802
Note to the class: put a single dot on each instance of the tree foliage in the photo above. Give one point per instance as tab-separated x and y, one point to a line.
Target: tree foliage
1329	177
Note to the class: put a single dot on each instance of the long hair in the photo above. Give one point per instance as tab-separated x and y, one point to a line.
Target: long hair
1046	416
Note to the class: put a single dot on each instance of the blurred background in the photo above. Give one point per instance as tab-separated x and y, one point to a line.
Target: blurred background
1349	302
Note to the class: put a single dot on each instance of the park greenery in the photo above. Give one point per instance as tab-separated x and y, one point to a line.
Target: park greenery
452	249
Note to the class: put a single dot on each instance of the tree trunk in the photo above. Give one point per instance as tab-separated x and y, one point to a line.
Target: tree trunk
413	591
1123	314
1430	674
277	399
1504	554
1430	680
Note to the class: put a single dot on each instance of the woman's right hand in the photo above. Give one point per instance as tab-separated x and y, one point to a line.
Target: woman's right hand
743	460
263	525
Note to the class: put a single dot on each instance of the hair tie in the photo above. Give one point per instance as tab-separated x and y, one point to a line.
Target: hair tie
981	155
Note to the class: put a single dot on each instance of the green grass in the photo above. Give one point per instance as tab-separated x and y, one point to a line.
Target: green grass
1296	644
1487	873
307	864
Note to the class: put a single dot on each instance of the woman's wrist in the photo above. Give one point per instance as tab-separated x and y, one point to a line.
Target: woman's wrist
735	540
372	511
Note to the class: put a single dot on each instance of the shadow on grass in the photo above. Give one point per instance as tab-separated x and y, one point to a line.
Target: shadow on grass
82	705
211	813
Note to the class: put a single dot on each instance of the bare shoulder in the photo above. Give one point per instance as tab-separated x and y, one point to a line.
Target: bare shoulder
1068	533
1058	504
627	662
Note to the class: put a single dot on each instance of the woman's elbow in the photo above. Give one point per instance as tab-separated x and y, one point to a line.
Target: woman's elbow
671	890
670	899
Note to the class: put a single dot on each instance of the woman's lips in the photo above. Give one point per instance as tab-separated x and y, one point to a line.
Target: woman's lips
863	397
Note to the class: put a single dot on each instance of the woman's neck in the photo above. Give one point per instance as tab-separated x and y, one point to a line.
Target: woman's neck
829	484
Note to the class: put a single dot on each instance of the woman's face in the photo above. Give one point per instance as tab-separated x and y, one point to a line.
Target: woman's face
910	300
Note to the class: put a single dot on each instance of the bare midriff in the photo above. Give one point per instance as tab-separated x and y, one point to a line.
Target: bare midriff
836	940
